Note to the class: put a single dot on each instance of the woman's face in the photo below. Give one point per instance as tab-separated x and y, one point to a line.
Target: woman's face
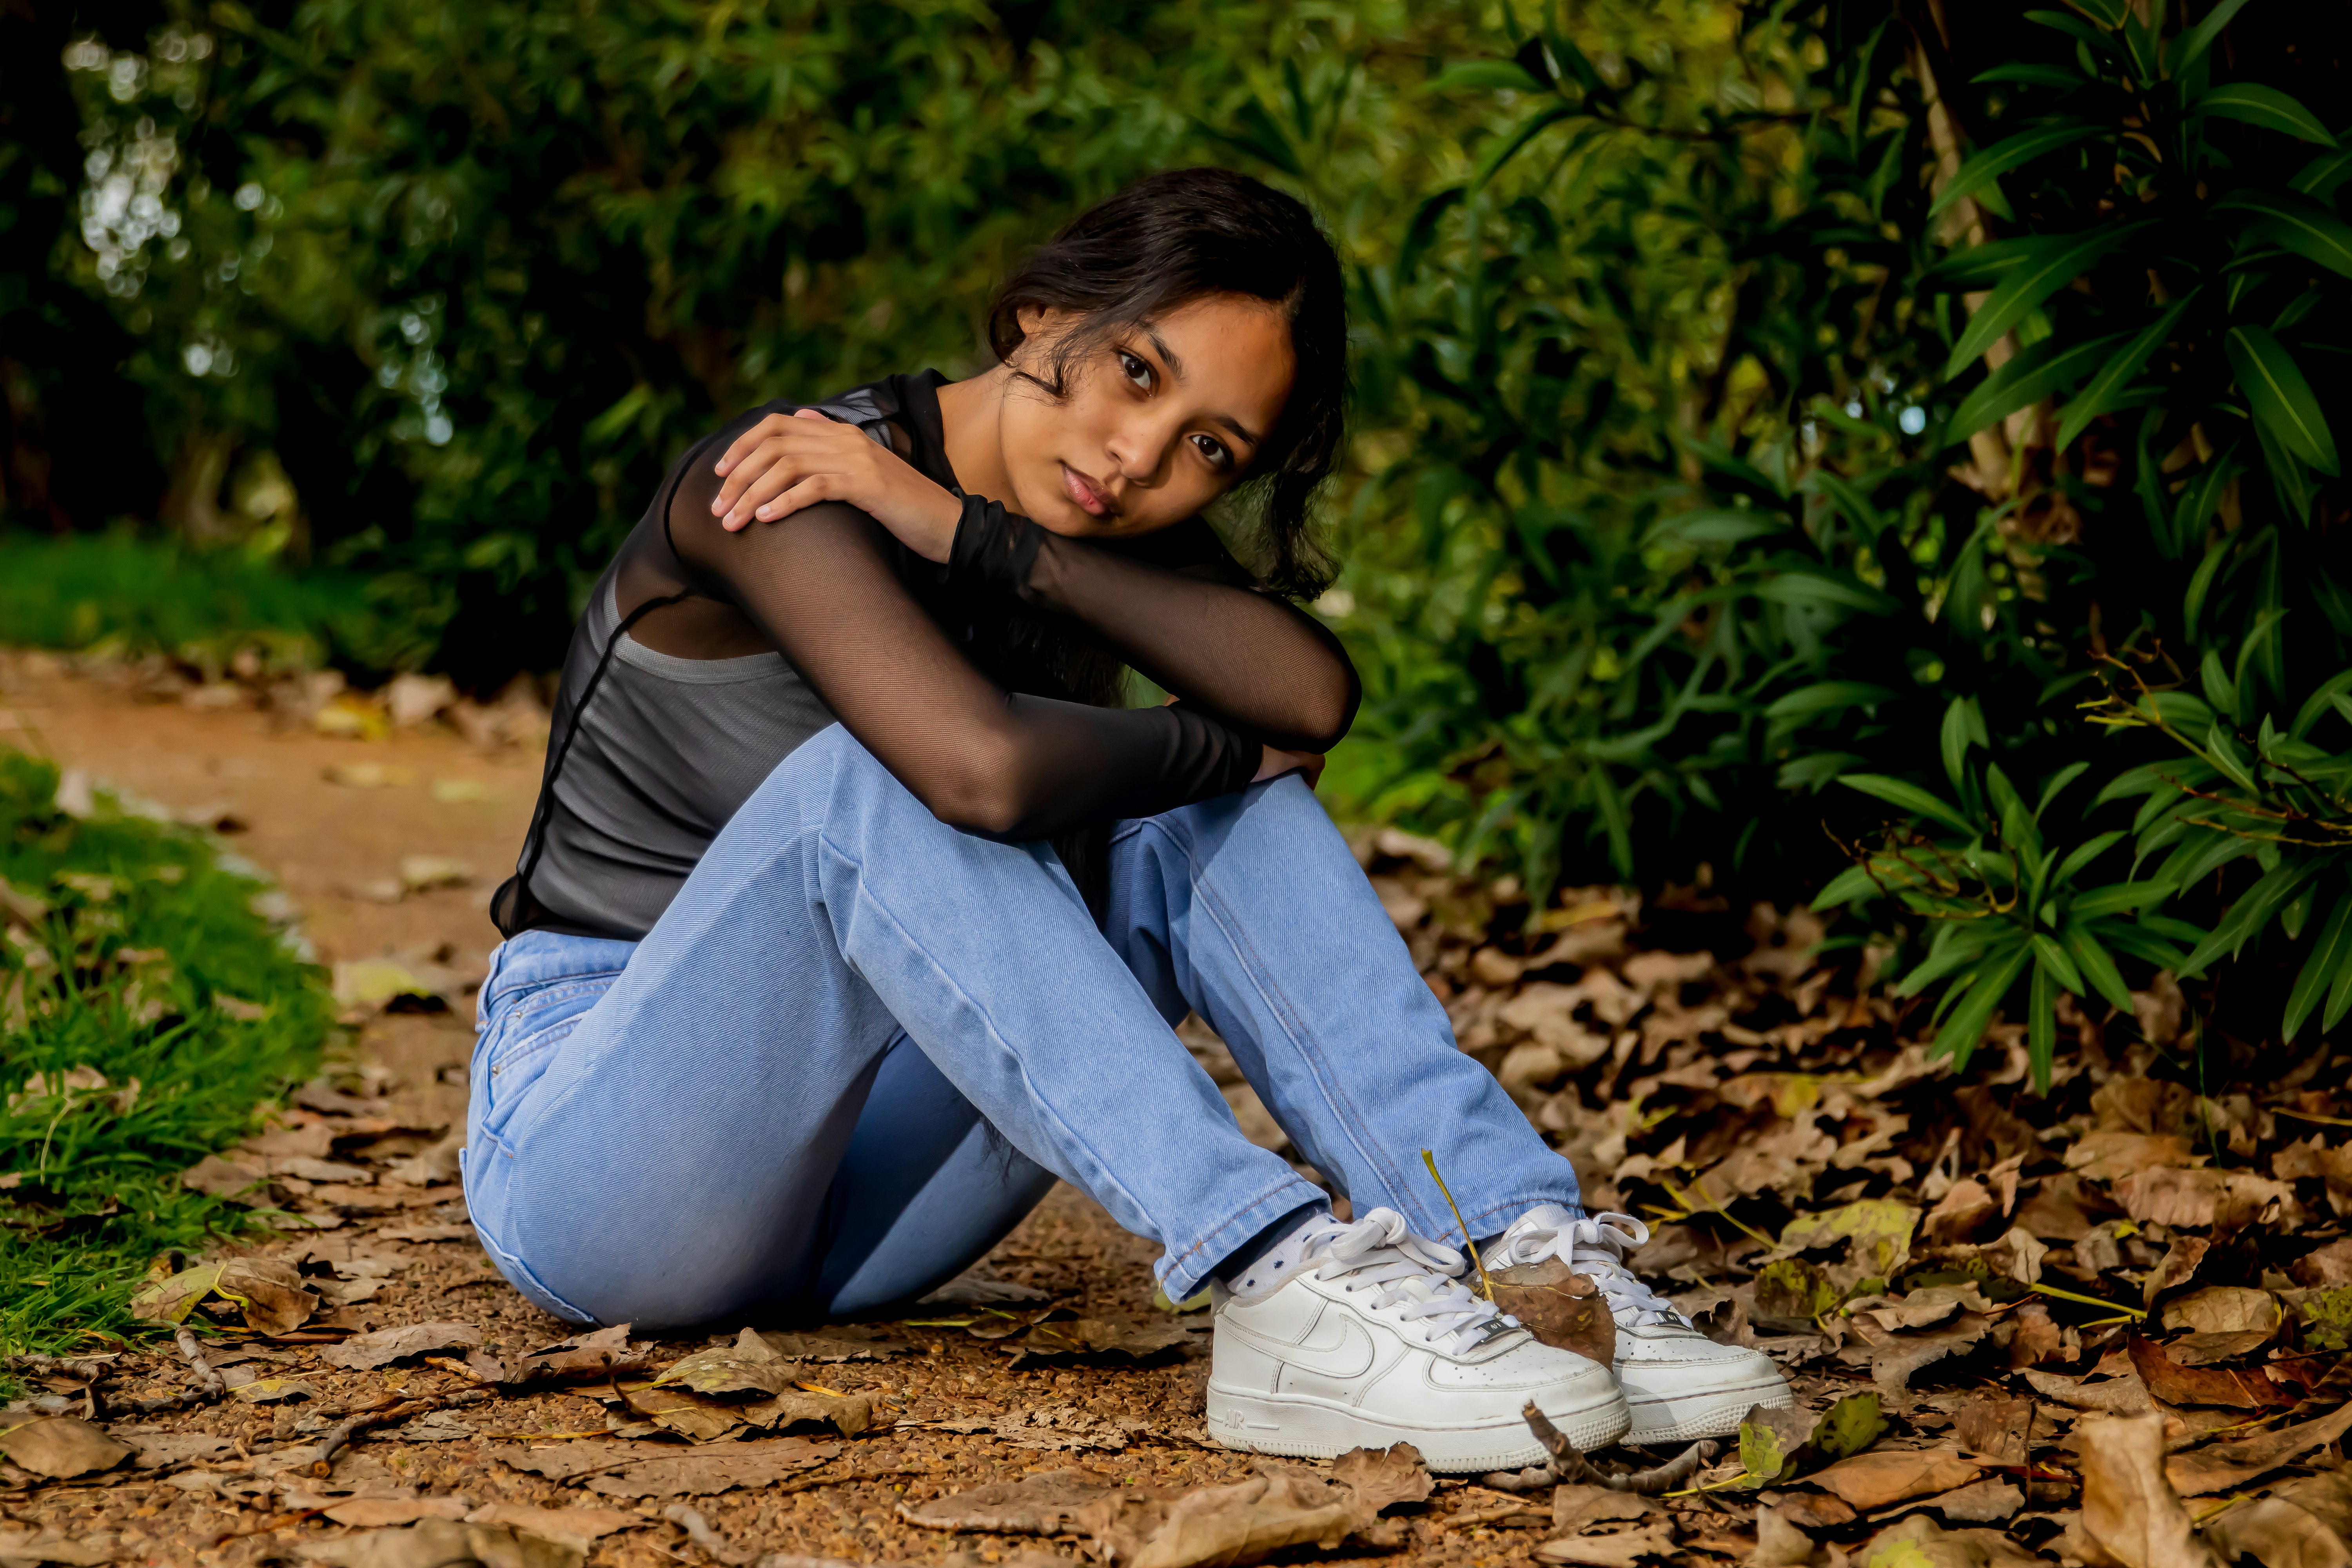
1159	420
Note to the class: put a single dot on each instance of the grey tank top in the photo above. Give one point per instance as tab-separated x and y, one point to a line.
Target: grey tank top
650	759
664	756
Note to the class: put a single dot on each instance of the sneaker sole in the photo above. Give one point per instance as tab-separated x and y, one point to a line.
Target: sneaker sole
1300	1427
1717	1412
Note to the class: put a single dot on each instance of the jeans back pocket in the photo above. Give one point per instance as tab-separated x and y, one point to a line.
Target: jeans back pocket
523	1030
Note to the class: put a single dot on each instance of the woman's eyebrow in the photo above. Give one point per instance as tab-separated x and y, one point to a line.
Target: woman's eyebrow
1176	371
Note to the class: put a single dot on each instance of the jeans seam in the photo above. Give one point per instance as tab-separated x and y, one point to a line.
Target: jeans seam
1279	1006
1036	1097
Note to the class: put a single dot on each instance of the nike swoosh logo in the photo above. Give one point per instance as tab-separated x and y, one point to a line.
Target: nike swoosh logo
1348	1354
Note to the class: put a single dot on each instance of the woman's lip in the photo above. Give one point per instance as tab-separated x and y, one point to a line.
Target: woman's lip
1086	492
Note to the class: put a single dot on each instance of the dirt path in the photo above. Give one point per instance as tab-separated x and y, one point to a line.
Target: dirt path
333	819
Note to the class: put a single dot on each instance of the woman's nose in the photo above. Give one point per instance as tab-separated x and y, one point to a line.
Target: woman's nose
1139	452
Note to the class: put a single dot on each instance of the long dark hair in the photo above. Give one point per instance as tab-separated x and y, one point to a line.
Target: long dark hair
1166	241
1160	244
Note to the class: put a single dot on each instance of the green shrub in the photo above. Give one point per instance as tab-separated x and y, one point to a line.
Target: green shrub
1994	479
146	1011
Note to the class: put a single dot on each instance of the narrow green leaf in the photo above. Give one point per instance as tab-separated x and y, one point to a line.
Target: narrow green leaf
2042	1027
2118	896
2215	677
2055	262
1485	75
2100	396
2105	13
2095	965
2281	398
1908	797
1716	526
2138	942
2025	74
2198	40
1827	695
2246	916
2320	702
2223	749
1811	588
2292	222
1504	151
2330	953
1853	882
2039	372
2266	107
2320	177
1959	1037
2084	854
2053	957
2010	153
2339	994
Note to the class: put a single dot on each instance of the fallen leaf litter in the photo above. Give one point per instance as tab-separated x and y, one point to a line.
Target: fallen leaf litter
2104	1327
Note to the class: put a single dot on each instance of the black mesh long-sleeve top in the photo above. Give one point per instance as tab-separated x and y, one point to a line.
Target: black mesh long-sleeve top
703	657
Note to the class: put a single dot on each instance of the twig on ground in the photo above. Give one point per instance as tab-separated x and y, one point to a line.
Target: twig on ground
697	1529
385	1415
209	1382
1568	1464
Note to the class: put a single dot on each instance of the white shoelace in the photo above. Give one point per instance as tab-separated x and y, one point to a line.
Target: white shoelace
1596	1247
1413	1274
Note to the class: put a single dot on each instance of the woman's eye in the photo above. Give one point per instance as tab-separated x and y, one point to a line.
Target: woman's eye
1137	371
1215	451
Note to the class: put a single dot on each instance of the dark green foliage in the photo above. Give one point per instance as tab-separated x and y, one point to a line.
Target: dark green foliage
127	955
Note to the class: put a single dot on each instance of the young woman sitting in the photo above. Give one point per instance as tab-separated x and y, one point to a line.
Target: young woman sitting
857	907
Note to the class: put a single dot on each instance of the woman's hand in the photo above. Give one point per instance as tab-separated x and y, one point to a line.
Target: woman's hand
781	465
1277	762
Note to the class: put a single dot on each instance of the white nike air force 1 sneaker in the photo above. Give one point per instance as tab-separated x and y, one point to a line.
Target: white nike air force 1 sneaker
1363	1335
1679	1384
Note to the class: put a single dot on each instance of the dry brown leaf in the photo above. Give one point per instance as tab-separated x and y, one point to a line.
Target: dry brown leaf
2204	1350
2306	1523
847	1414
1100	1337
1382	1477
2125	1395
1578	1508
440	1542
1050	1429
748	1366
362	1352
1622	1549
2177	1384
2224	1309
2328	1265
594	1354
1884	1475
2129	1511
1048	1503
381	1512
2111	1156
61	1446
2226	1467
1560	1307
1998	1431
577	1526
1986	1501
838	1344
1224	1526
636	1470
2176	1268
1894	1359
82	1548
678	1410
2199	1200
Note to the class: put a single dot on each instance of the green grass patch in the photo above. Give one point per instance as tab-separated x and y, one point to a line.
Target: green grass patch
144	595
148	1013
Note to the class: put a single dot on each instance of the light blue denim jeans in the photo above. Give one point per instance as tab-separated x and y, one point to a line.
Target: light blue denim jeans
780	1102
